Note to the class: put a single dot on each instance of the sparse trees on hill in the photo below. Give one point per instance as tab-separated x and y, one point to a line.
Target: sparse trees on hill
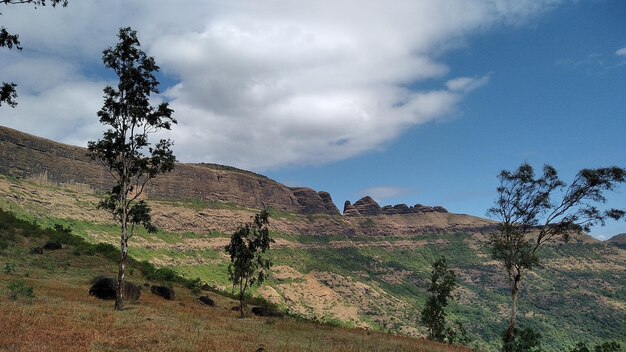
8	94
124	148
442	283
248	264
533	211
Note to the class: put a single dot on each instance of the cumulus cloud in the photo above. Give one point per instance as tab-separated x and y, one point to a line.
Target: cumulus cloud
621	52
263	84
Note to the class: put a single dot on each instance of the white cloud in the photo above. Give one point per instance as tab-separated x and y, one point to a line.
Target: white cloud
261	84
383	193
621	52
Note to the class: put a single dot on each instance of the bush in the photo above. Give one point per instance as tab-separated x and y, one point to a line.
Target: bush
525	340
9	268
107	250
164	275
19	289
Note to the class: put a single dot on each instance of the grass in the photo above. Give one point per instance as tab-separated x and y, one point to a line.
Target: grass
59	315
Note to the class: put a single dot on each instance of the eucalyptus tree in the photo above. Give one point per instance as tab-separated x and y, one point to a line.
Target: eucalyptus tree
8	93
442	283
124	148
248	263
533	211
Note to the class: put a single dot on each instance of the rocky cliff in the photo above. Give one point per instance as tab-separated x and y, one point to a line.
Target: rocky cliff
367	206
26	156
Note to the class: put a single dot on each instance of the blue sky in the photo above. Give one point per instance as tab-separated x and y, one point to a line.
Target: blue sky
419	102
556	95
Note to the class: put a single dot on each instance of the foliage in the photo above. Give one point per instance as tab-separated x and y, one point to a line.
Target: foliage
526	340
610	346
529	216
248	264
8	94
442	283
19	289
131	119
9	268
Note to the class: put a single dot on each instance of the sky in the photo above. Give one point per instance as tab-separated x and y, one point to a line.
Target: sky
406	101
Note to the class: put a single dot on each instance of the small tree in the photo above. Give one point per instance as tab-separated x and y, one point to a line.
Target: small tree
248	265
8	94
526	340
442	283
530	216
131	118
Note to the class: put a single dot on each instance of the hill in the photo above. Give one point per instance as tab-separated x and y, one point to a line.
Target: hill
367	269
51	310
618	240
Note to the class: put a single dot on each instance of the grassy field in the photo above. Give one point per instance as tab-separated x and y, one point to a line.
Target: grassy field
375	282
59	315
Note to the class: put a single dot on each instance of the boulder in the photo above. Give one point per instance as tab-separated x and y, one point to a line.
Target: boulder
51	246
396	209
162	291
423	209
350	210
265	312
367	206
440	209
104	288
206	300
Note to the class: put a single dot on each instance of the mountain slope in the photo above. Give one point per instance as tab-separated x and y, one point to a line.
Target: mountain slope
360	270
26	156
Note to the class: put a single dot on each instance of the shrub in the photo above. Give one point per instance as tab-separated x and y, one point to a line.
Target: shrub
19	289
9	268
164	275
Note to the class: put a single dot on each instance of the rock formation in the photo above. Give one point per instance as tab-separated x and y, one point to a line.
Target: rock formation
367	206
26	156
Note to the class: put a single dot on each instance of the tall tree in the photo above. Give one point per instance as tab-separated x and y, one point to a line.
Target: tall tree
533	211
442	283
248	265
124	148
8	94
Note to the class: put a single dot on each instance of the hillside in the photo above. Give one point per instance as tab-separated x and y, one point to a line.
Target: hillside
59	315
618	240
26	156
368	269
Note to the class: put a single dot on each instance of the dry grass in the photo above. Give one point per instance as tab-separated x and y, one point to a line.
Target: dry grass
63	317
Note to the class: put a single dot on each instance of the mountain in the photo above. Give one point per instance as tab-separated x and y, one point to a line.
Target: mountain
369	267
27	156
618	240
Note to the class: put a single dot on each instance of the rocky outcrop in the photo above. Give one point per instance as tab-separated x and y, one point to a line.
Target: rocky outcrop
26	156
312	202
367	206
349	209
331	208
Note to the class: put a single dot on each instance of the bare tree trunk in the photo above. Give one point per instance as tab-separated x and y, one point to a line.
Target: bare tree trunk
119	293
241	293
119	297
515	286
